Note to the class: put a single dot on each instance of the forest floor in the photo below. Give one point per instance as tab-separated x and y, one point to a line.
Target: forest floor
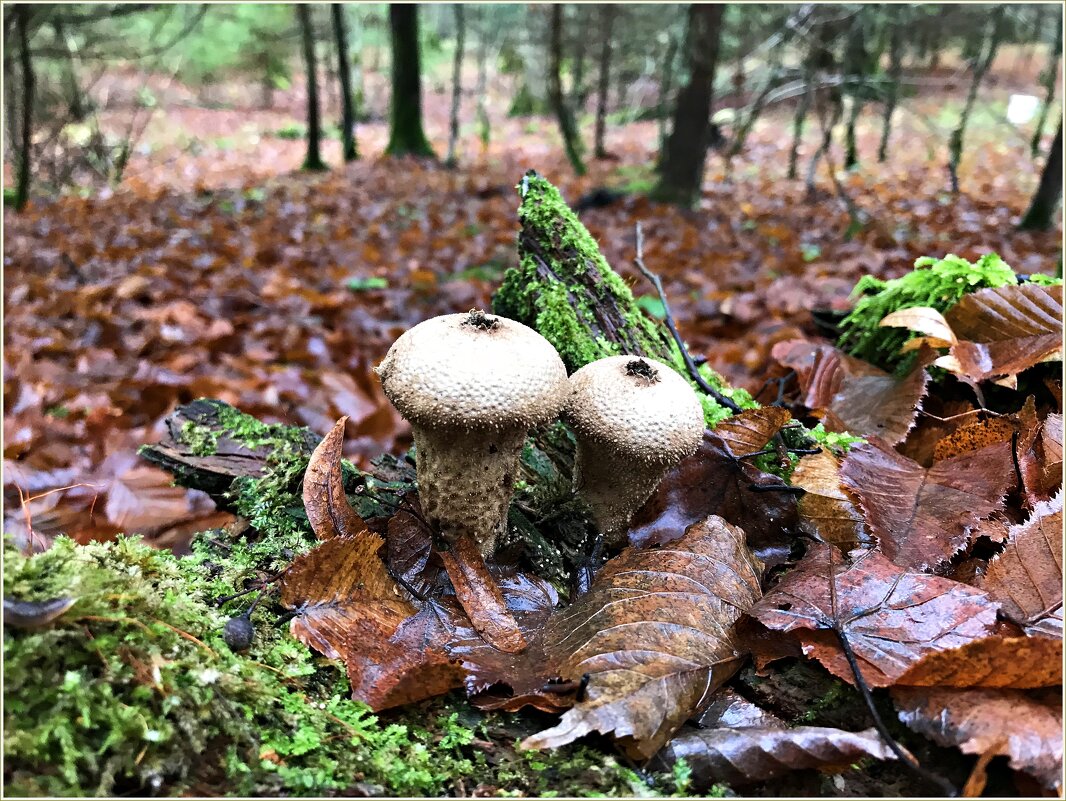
218	269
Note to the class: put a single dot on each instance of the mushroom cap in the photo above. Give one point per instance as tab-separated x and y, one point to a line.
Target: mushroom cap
473	371
637	408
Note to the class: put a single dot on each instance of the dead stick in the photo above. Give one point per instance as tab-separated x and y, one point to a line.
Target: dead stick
689	364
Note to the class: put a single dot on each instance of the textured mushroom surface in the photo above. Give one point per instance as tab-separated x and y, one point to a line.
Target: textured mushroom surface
473	371
634	419
471	385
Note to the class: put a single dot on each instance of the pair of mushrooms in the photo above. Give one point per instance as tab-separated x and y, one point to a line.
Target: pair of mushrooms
472	386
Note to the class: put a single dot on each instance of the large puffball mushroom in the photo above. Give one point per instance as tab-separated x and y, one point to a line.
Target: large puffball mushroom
471	385
634	419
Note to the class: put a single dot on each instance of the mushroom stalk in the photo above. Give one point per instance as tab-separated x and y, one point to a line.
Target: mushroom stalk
614	486
466	479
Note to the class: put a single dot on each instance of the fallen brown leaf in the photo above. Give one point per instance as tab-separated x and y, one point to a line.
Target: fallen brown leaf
481	597
1026	578
922	517
826	511
1021	663
892	616
1024	726
327	507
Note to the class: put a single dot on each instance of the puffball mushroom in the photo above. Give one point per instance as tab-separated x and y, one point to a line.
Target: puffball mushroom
634	419
471	385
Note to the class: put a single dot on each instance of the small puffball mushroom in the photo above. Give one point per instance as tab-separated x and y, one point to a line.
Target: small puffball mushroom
472	386
634	418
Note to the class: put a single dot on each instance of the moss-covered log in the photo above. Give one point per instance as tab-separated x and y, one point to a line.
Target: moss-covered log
565	289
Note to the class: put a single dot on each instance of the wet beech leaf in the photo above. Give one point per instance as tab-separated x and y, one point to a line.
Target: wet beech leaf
893	616
480	596
348	607
327	507
1025	726
998	661
922	517
750	430
654	633
739	756
1026	578
851	394
826	511
714	482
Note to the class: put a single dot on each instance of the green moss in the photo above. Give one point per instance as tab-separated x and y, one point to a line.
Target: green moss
939	283
837	443
202	440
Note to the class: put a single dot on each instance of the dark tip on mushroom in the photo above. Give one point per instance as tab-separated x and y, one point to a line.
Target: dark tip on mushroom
638	368
479	320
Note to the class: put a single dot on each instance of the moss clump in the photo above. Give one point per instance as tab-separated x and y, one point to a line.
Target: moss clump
564	300
939	283
133	690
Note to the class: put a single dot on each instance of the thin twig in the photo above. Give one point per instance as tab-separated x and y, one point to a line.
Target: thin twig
670	324
837	627
1017	466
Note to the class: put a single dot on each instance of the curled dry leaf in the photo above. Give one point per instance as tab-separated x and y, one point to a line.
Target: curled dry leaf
1004	330
1026	578
1018	662
481	597
749	431
923	320
748	755
892	616
851	394
327	507
922	517
977	434
1042	462
714	482
826	511
1024	726
348	607
654	633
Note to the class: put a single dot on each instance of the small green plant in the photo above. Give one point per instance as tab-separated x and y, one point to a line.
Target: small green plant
367	283
293	130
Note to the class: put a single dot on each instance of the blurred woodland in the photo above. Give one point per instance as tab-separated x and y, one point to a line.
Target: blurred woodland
251	202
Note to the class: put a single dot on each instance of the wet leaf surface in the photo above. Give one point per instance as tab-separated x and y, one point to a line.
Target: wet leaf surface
327	506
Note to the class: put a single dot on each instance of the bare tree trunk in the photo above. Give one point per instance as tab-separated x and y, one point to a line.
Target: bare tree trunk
855	72
29	87
1041	211
1050	79
981	64
340	33
681	170
484	127
457	84
895	72
799	119
579	91
313	161
666	85
567	127
607	22
406	135
70	73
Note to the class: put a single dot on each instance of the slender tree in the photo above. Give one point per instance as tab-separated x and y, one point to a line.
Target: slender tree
895	73
855	68
29	90
1051	75
340	33
579	91
1041	211
666	84
484	127
457	84
567	126
681	168
981	62
313	161
607	13
406	135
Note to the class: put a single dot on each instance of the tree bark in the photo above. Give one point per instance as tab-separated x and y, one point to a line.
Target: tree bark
563	113
666	85
313	161
681	170
406	136
855	70
1050	79
340	32
29	88
982	61
457	84
607	21
895	72
484	127
1041	211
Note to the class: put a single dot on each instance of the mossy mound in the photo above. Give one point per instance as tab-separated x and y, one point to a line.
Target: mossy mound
134	690
939	283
